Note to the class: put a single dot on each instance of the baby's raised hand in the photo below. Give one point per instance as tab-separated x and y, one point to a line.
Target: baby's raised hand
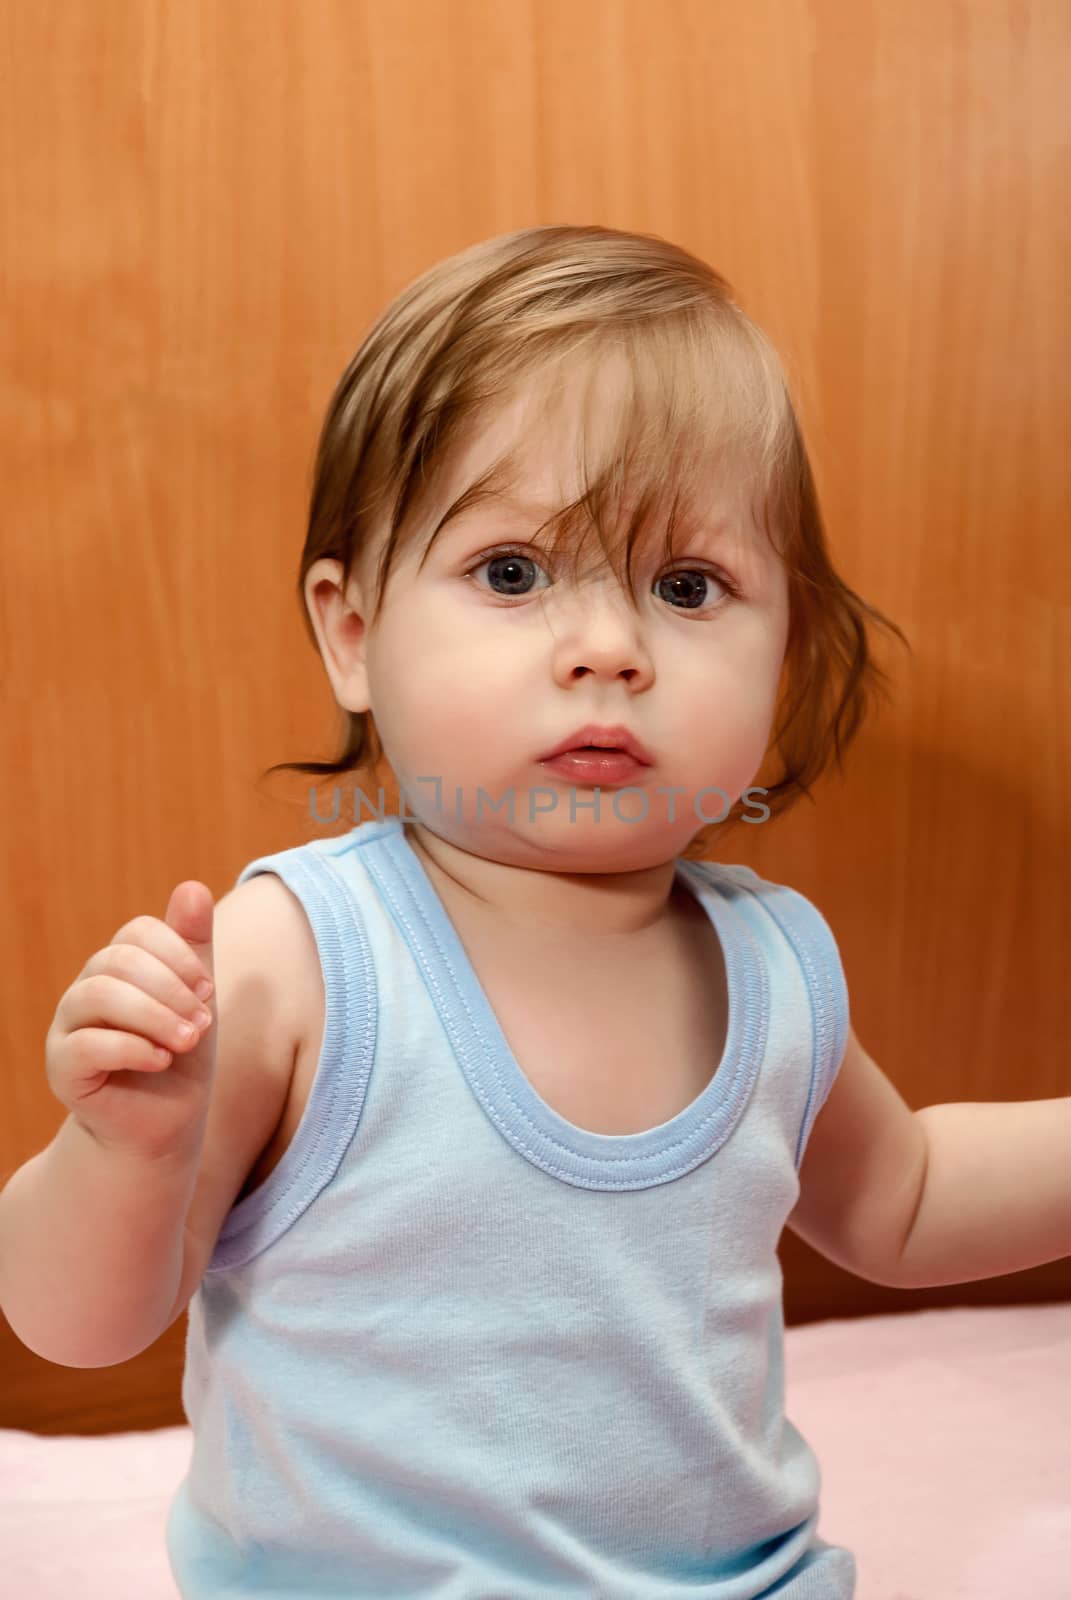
116	1053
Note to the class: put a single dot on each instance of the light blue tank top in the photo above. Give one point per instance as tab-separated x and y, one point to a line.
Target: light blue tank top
455	1347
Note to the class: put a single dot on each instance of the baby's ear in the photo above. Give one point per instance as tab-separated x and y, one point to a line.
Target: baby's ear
337	620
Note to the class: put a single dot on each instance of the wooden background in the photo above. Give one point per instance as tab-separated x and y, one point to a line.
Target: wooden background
204	203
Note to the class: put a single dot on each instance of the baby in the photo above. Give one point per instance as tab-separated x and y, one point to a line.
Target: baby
467	1137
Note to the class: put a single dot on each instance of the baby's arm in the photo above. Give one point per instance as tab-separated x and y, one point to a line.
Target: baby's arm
91	1245
862	1171
93	1228
946	1194
997	1195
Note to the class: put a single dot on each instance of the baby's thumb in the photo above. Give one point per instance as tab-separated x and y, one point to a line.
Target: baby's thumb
189	912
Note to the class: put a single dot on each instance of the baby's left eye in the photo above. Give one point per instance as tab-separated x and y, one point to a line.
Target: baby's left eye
685	584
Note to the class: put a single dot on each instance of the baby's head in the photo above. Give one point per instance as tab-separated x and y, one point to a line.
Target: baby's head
596	403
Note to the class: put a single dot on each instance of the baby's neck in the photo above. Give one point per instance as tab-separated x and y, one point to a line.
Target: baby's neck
546	905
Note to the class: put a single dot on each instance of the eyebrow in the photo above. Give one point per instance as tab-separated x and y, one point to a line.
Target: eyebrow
482	495
464	511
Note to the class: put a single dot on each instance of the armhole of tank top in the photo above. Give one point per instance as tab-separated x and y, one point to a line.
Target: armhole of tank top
815	946
337	1090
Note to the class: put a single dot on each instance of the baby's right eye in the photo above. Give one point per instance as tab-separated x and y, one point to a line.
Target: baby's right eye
512	567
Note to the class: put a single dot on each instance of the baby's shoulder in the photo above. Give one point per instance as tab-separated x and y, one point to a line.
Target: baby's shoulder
263	936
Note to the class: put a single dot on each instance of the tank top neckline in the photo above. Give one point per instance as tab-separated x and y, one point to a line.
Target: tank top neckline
528	1123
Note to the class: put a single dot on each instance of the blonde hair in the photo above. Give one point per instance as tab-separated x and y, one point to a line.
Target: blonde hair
703	385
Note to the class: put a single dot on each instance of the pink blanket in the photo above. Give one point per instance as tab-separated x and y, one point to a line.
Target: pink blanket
944	1439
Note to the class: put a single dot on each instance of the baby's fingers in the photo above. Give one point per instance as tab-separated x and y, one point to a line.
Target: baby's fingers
156	936
144	970
102	1000
91	1055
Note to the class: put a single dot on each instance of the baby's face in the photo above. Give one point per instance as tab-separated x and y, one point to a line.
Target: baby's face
476	669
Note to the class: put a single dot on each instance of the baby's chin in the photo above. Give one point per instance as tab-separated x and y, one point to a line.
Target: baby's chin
542	844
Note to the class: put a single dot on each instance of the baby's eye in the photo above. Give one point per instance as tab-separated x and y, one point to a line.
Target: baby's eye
511	568
685	584
510	574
